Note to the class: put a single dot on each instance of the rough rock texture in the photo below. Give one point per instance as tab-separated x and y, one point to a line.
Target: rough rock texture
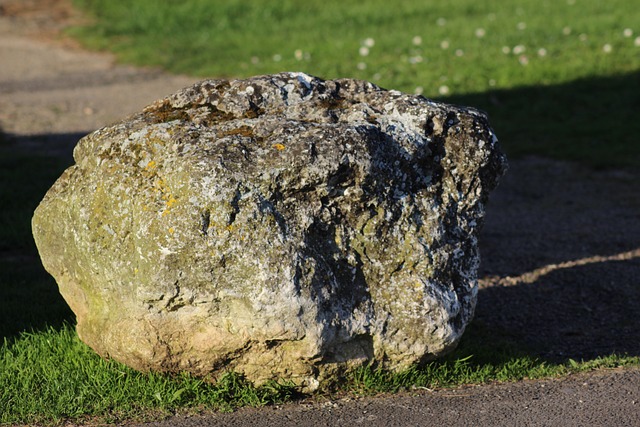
280	226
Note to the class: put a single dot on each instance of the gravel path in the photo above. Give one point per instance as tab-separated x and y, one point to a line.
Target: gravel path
561	248
51	92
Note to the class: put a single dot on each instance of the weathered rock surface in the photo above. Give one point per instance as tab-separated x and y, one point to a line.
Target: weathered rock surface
280	226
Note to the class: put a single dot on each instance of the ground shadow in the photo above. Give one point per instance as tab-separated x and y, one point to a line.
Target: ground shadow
547	213
591	120
29	297
577	313
556	282
58	146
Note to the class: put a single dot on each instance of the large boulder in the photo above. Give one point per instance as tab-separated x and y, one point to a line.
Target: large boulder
280	227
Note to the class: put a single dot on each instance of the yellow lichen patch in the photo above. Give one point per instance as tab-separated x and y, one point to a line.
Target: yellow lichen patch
338	237
230	227
151	165
171	230
160	185
278	146
171	201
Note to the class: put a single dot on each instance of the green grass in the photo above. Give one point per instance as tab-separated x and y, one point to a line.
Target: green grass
558	78
464	370
574	100
240	38
50	375
483	356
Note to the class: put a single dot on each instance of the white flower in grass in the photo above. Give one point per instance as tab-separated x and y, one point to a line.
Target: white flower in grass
492	82
583	37
542	52
628	32
571	2
506	50
566	31
369	42
607	48
517	50
418	90
364	51
443	90
417	40
637	41
444	44
480	32
277	57
521	26
298	54
376	77
255	60
442	22
361	66
459	52
415	59
523	60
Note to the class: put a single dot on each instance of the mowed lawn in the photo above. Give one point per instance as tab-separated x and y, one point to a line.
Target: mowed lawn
430	47
558	78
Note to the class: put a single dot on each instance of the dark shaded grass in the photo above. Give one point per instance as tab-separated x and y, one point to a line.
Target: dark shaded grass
592	121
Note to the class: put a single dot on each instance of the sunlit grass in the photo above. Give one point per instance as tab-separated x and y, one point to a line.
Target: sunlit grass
463	371
435	48
50	375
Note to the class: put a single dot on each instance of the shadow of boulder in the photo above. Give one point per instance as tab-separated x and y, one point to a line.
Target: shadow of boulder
580	313
592	120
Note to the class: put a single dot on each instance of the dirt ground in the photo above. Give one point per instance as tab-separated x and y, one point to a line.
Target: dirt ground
560	248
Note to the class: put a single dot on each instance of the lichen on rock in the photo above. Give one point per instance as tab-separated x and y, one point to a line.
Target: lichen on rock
281	226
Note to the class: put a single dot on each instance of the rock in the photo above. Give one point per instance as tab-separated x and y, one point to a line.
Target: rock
281	227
